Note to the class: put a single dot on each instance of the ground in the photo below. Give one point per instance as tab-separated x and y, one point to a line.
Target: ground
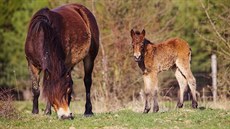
187	117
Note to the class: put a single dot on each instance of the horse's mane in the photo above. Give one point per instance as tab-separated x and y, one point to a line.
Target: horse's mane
52	52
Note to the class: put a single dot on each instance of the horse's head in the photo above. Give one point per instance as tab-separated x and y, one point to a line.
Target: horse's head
59	95
137	43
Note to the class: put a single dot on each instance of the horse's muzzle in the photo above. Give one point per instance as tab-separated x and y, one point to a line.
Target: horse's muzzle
70	117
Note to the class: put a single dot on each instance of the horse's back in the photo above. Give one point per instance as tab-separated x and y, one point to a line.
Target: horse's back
78	30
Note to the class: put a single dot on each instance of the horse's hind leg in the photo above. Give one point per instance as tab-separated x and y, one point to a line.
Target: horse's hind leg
186	71
88	68
183	85
34	72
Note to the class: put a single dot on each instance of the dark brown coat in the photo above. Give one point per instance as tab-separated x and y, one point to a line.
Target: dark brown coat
57	40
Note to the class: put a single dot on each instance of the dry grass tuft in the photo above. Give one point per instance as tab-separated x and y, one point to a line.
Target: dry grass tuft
7	109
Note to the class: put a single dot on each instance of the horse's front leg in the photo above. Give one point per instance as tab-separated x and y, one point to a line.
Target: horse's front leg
34	72
48	108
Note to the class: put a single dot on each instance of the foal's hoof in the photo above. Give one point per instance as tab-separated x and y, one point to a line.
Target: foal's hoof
179	105
194	104
156	109
146	110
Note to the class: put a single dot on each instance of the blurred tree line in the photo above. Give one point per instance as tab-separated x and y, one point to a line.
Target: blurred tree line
116	75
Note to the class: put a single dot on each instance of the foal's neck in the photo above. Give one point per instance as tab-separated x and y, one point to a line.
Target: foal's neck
141	63
146	42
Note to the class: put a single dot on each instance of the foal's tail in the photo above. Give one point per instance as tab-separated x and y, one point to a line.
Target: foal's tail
190	55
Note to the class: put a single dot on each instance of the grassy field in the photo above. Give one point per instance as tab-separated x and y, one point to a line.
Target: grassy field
202	118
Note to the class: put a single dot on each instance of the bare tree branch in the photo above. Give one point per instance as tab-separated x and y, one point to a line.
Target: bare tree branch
213	26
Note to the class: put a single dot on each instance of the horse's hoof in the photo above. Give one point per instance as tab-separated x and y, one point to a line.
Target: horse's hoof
35	111
47	113
89	114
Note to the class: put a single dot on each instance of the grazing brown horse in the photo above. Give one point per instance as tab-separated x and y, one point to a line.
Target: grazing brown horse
154	58
57	40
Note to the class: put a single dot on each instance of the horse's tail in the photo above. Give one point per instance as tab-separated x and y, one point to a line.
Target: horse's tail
41	26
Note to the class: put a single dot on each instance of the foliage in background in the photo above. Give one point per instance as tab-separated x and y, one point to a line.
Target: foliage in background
116	75
217	37
14	20
7	108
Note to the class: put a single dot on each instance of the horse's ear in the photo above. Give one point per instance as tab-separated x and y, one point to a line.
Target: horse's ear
132	33
143	32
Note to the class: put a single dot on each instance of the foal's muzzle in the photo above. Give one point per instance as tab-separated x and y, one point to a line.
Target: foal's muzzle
137	59
137	56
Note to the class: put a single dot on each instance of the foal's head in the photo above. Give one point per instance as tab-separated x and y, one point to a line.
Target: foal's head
138	43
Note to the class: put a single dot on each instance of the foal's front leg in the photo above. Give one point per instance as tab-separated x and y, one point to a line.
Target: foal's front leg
150	89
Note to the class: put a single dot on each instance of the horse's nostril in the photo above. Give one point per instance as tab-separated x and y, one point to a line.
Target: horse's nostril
63	117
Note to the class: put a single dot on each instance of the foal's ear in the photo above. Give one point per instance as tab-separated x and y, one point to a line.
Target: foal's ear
143	32
132	33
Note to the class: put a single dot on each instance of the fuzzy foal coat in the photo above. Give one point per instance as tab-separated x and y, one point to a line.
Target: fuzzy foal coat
154	58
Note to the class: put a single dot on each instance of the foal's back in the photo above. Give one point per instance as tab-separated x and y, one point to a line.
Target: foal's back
165	54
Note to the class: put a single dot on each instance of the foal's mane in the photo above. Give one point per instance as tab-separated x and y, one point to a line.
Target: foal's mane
53	56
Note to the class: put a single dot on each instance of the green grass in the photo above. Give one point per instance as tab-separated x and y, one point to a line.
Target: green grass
178	118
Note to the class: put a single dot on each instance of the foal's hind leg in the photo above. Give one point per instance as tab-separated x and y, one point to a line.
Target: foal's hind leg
186	71
88	68
34	72
183	85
